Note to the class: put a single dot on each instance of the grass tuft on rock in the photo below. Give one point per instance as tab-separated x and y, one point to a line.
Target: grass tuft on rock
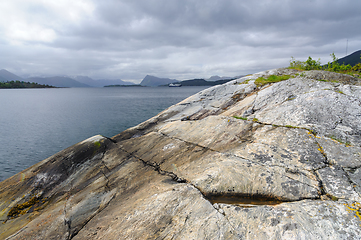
242	118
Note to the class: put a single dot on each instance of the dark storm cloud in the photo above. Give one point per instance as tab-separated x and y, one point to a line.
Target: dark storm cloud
178	39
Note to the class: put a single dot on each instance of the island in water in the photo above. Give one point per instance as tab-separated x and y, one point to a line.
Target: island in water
23	84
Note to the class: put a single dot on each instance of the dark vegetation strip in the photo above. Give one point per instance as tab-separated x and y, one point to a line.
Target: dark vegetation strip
22	84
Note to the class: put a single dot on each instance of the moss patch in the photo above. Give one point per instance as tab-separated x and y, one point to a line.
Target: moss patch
271	79
245	81
97	144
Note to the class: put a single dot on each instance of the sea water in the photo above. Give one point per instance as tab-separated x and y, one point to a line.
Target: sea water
37	123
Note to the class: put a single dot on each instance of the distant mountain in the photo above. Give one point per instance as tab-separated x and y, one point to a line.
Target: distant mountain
216	78
84	81
57	81
87	80
101	82
351	59
8	76
152	81
202	82
105	82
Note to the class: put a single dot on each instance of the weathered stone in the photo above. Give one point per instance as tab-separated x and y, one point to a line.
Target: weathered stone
340	153
355	177
337	183
288	167
298	220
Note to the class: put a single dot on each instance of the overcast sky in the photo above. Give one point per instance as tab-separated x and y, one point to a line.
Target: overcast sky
179	39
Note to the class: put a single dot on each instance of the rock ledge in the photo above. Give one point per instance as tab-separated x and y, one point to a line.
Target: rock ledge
235	161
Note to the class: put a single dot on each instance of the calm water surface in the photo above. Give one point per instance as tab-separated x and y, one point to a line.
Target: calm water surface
37	123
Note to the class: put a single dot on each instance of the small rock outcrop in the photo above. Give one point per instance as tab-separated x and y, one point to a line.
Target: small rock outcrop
235	161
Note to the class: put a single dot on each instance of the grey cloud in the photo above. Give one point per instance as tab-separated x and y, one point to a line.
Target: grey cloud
188	38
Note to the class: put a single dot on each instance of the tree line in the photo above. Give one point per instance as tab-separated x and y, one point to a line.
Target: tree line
22	84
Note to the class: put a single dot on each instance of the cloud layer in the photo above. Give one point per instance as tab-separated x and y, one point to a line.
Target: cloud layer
177	39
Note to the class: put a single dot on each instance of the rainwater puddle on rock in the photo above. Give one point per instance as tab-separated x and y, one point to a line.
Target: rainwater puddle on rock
245	201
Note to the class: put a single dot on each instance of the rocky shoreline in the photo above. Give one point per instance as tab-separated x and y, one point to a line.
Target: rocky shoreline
235	161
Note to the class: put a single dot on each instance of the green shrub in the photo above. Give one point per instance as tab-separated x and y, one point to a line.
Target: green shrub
311	64
296	64
357	68
333	66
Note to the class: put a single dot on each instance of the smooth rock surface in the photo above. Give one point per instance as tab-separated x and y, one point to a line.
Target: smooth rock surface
288	167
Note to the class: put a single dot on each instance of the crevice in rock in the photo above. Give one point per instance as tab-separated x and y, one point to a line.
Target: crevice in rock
320	148
67	222
216	207
328	164
254	102
221	211
352	183
106	167
213	198
157	168
236	156
172	120
352	169
107	182
110	139
310	131
90	218
230	154
17	233
245	199
68	226
175	178
320	183
301	182
315	171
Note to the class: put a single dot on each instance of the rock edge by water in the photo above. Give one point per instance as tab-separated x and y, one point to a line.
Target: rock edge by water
288	167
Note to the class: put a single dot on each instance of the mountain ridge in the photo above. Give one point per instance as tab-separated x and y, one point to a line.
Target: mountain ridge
62	81
152	81
5	76
57	81
101	82
351	59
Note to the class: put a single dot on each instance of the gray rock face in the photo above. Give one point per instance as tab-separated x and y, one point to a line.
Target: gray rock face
286	167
